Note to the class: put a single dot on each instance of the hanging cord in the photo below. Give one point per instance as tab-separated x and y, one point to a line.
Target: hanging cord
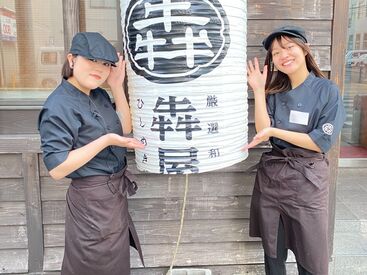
181	224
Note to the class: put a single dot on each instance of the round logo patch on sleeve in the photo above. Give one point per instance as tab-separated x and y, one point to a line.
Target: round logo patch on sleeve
328	128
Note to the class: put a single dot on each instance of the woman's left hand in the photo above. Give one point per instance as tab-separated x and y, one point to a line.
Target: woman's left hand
261	136
117	74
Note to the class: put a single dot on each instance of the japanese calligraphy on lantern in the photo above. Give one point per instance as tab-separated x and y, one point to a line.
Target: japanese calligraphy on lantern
175	41
187	82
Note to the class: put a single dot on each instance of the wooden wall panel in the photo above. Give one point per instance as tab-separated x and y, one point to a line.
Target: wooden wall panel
292	9
11	190
12	237
199	254
318	31
163	209
20	121
20	143
12	213
252	159
10	166
188	255
160	232
13	260
172	186
257	269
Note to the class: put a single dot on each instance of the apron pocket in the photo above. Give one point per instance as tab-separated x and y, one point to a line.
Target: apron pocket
107	215
262	179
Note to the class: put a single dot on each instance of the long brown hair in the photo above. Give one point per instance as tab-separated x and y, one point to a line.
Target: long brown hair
278	81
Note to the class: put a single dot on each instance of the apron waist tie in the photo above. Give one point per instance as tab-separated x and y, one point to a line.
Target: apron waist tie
127	183
304	169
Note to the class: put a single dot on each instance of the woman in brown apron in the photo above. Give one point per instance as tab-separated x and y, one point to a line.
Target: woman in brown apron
82	139
302	114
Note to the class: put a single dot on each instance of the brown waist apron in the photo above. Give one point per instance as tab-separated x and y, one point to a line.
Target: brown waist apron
293	183
98	227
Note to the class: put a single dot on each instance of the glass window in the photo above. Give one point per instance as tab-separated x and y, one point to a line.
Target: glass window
358	41
350	42
354	133
31	48
102	16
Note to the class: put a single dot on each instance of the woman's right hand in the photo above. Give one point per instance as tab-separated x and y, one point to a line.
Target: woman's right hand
255	78
117	140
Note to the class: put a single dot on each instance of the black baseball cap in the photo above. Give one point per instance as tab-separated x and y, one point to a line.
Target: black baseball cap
92	45
293	31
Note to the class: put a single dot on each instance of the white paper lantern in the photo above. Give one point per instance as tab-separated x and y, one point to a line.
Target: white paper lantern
187	82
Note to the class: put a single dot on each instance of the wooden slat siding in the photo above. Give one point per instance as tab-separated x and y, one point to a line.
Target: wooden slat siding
252	159
219	270
159	232
340	31
12	237
216	270
34	215
11	190
30	129
165	209
318	31
198	254
172	186
13	260
19	144
24	121
12	213
295	9
188	255
10	166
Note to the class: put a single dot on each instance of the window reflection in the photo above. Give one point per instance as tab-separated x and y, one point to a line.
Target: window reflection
31	44
354	134
102	16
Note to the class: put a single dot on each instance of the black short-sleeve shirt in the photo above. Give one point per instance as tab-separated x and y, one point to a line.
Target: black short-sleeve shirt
71	119
315	107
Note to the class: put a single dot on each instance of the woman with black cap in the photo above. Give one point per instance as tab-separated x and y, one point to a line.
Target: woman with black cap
82	138
302	114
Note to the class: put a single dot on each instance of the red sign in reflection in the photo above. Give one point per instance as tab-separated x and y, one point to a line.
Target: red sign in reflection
8	27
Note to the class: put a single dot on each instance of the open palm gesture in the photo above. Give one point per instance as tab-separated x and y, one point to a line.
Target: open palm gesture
255	78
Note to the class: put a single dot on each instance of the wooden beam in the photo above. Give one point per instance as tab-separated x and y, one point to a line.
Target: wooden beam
339	40
71	10
33	210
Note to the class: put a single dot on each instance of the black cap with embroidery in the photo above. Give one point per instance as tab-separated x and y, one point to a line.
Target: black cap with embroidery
92	45
293	31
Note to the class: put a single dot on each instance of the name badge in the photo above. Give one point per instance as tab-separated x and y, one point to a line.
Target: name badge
298	117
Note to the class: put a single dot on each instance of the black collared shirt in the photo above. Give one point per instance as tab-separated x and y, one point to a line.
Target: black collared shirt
315	107
71	119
